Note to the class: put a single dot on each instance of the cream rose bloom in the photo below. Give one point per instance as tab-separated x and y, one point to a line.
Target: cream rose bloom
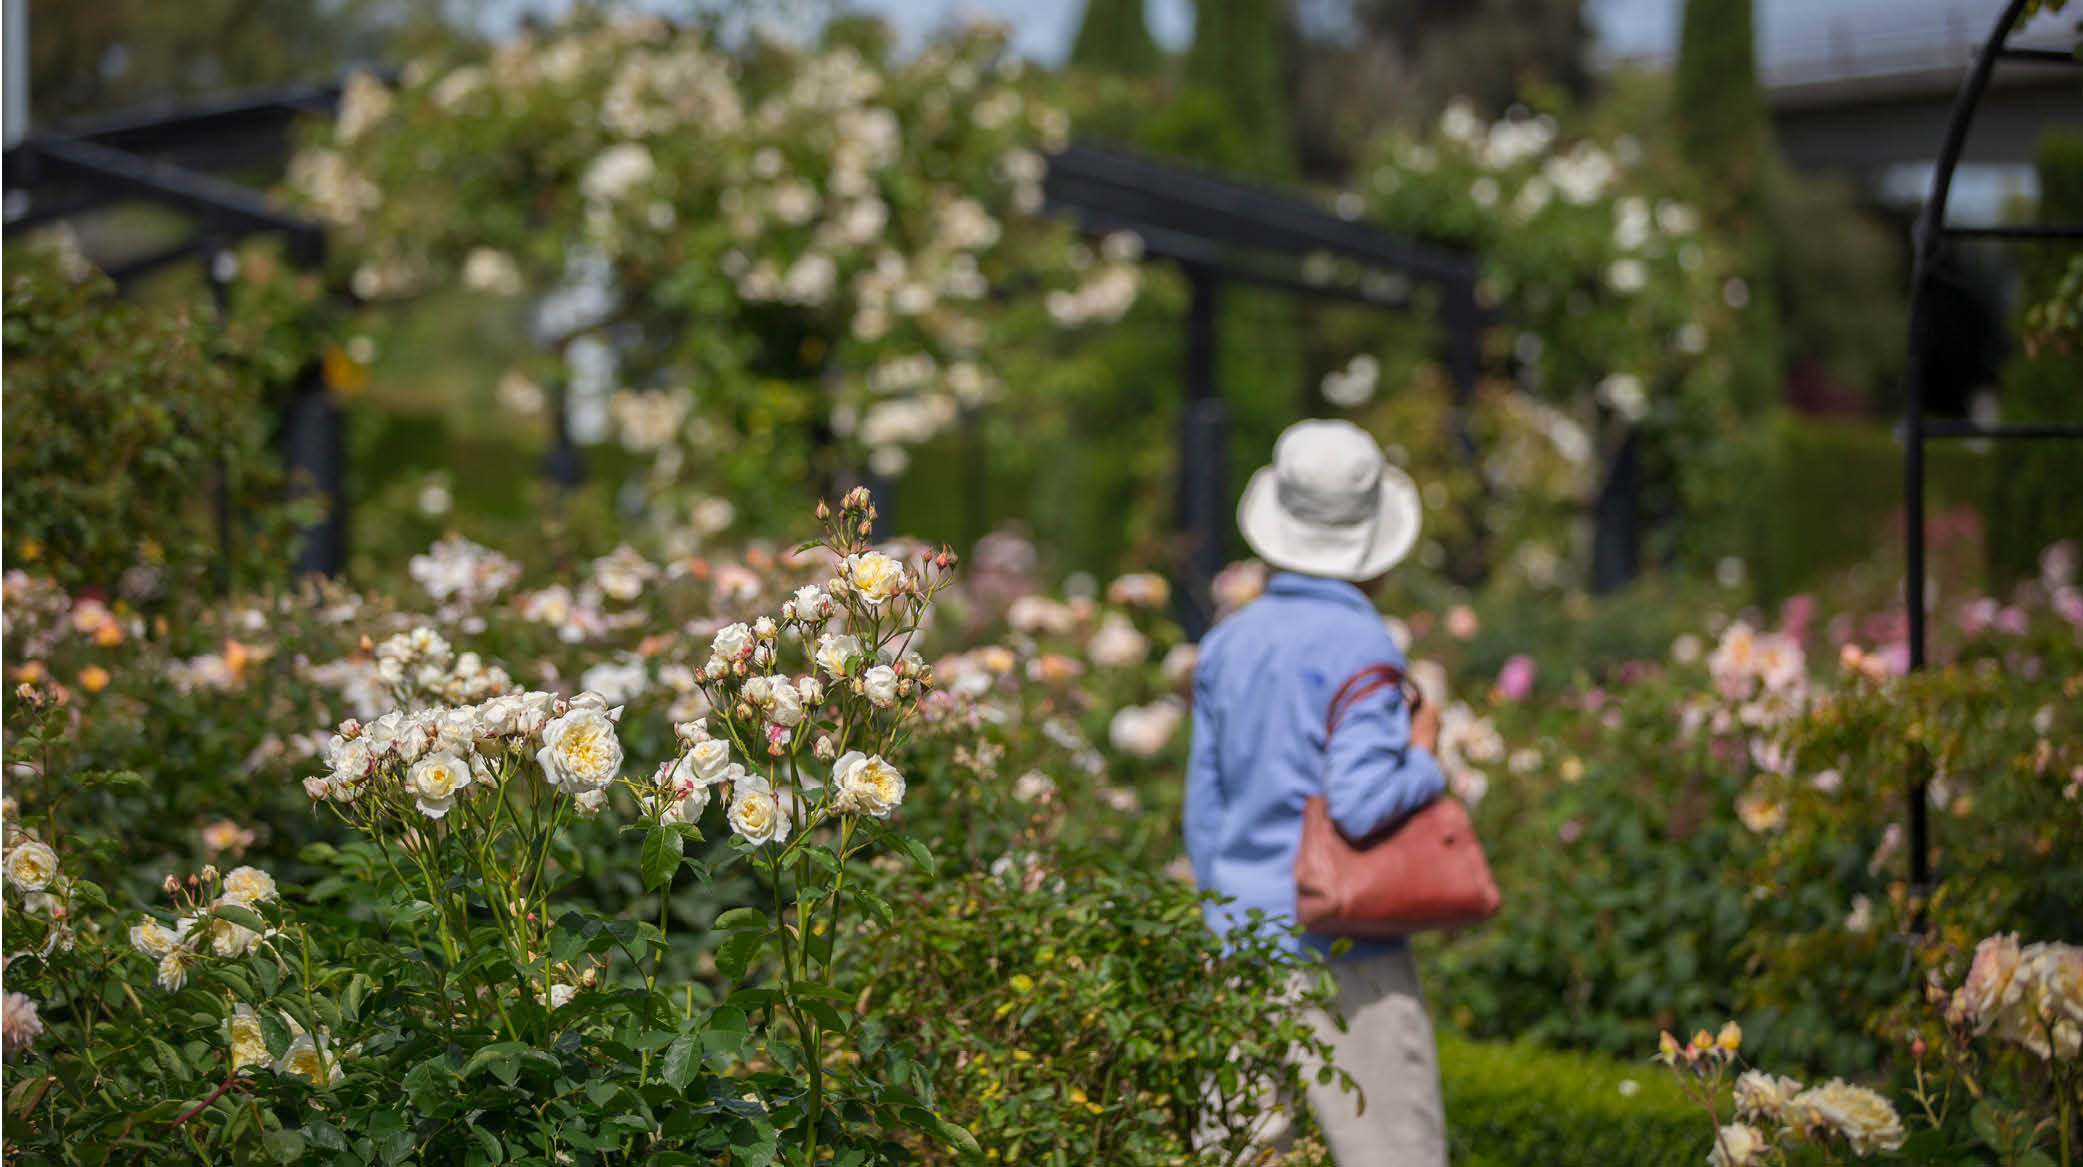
248	885
880	685
311	1057
1992	987
875	577
866	784
1865	1119
1761	1095
153	939
833	651
249	1047
686	802
173	968
31	865
733	642
580	751
435	780
1736	1145
706	762
784	705
755	813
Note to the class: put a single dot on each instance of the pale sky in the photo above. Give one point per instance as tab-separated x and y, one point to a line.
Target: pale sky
1795	36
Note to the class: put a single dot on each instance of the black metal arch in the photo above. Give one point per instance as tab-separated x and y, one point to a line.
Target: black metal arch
1220	231
1929	243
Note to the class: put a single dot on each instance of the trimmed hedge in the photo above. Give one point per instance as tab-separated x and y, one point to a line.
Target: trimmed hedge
1833	492
1514	1104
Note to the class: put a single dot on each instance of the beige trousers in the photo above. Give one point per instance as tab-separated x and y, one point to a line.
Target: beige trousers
1393	1117
1396	1119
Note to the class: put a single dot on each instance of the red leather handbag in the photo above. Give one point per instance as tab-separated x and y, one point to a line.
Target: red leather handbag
1424	872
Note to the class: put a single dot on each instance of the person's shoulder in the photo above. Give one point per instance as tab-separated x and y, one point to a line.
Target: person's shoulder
1358	637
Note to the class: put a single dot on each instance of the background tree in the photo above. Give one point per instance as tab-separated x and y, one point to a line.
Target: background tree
1401	61
1724	135
1238	50
1114	38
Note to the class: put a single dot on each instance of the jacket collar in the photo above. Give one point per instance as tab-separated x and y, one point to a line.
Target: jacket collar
1316	587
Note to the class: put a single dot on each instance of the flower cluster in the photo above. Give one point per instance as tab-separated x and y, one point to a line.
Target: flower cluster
199	927
2031	996
885	205
859	680
1773	1111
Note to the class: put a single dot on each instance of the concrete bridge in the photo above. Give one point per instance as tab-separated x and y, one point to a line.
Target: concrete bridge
1862	89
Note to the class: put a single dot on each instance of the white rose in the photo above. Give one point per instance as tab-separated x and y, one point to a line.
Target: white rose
867	785
733	642
1736	1145
784	705
559	996
434	782
456	729
834	650
580	751
31	866
705	763
249	885
755	814
811	690
809	605
173	969
875	577
310	1057
756	689
590	802
153	939
686	800
249	1047
880	684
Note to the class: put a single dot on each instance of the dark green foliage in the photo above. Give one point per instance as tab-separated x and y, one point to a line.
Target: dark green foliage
1113	38
1237	52
2036	502
1721	114
1517	1104
124	424
1723	134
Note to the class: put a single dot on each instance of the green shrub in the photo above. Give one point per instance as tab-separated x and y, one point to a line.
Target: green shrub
125	427
1514	1104
1083	1011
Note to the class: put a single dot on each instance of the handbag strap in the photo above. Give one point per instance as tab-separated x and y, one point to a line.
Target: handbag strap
1362	684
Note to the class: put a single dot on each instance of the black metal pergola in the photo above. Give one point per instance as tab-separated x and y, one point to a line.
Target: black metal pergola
1221	232
174	157
1929	243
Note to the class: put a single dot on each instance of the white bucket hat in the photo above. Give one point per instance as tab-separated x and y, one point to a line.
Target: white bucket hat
1330	504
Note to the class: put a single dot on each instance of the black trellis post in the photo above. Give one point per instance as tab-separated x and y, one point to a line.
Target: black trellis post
1203	493
1929	242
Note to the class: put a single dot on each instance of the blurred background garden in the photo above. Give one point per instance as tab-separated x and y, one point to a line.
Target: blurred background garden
368	356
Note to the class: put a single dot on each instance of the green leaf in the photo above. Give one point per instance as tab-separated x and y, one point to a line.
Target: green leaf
919	854
681	1061
741	918
737	952
284	1146
490	1142
273	1031
324	1135
921	1119
428	1085
241	915
662	850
